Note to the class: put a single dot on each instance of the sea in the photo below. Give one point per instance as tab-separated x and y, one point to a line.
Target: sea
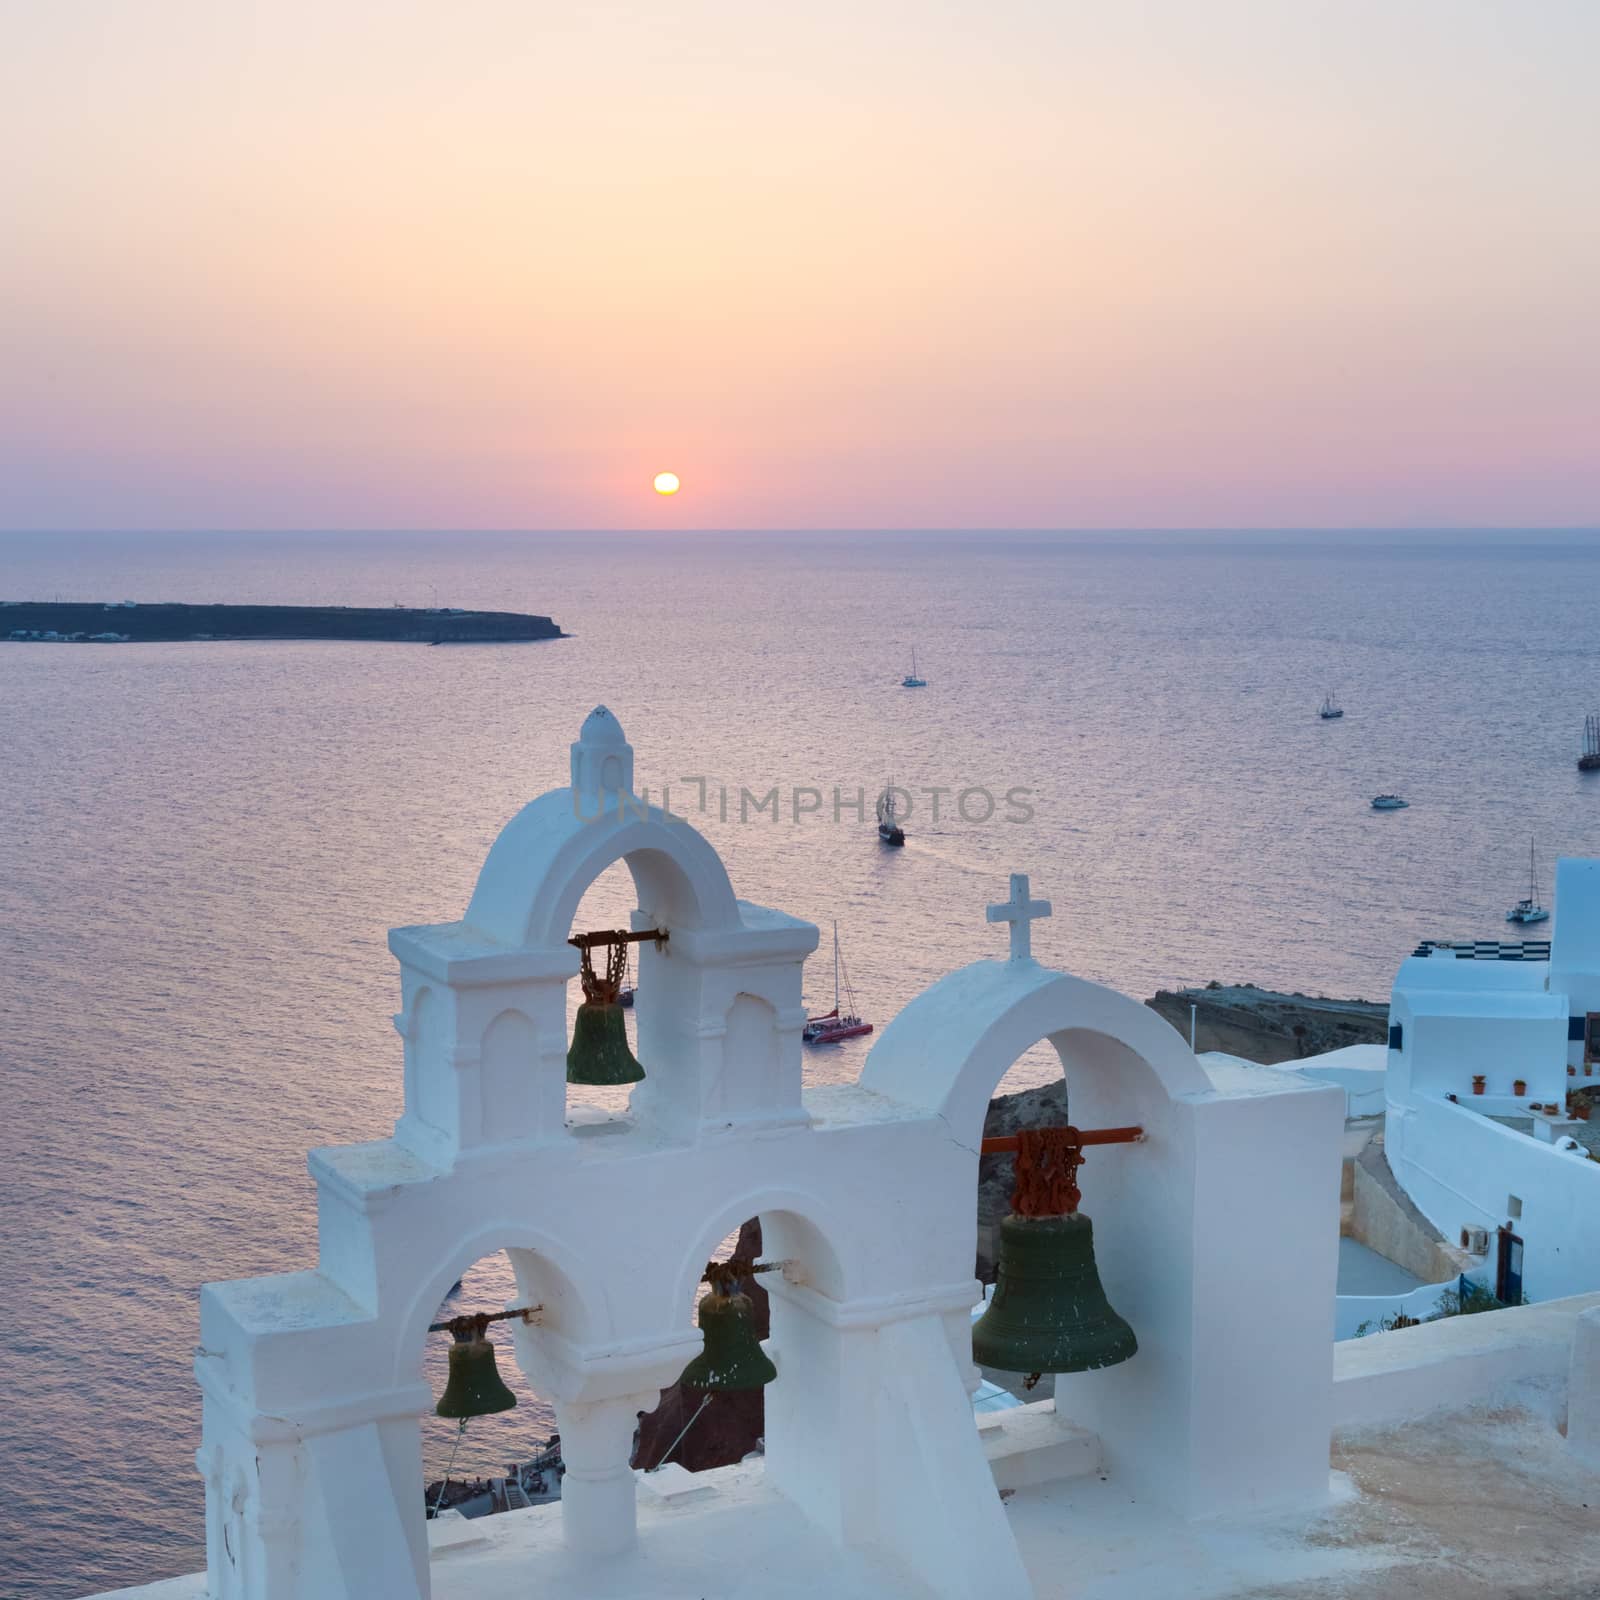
202	846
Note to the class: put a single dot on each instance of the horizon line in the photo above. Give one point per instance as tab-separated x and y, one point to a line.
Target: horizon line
307	531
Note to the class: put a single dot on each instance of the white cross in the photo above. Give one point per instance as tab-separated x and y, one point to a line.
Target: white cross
1020	911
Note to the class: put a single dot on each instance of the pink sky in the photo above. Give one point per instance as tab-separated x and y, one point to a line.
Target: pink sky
855	263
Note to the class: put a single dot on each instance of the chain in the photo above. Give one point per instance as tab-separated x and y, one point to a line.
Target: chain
1047	1172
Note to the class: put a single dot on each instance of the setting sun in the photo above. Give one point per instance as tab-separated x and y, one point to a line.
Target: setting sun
666	483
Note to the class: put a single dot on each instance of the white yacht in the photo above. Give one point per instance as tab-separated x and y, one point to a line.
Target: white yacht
1528	908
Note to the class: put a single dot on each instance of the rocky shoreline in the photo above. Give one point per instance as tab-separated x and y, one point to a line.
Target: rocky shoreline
1268	1026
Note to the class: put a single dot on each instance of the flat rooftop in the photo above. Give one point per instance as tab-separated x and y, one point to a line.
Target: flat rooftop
1480	1504
1486	949
1429	1496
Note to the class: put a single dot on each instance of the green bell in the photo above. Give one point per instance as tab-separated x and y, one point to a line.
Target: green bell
733	1357
599	1051
1049	1312
475	1388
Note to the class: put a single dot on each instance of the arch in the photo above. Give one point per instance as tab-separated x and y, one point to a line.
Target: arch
427	1093
408	1022
807	1231
557	1278
752	1060
948	1050
508	1058
546	857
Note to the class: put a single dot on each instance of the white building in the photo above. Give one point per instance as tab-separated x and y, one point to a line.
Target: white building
1199	1467
1485	1040
874	1462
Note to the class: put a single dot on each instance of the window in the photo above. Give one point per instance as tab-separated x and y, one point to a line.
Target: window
1396	1035
1514	1207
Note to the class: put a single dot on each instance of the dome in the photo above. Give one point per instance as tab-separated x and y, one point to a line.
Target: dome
600	727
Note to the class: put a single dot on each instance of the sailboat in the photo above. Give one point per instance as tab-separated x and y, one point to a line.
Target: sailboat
1528	908
1589	761
889	829
911	680
843	1022
1331	708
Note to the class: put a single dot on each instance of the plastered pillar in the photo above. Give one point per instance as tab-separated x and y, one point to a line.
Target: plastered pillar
1583	1390
255	1538
598	1513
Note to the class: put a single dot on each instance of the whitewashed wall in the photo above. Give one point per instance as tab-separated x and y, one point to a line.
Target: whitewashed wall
1461	1169
1350	1311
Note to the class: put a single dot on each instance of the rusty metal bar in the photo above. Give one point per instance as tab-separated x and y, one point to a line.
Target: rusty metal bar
481	1320
721	1274
1007	1145
591	941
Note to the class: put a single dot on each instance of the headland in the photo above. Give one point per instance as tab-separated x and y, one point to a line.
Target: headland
132	622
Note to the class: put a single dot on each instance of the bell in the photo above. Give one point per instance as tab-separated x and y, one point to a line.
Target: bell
599	1052
733	1357
475	1388
1049	1312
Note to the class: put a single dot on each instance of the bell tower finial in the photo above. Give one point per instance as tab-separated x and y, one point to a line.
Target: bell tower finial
602	760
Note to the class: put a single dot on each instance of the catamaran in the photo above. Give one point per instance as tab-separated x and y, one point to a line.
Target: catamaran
911	680
843	1022
889	829
1528	908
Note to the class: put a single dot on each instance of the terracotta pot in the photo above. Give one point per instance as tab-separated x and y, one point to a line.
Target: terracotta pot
1519	1087
1478	1081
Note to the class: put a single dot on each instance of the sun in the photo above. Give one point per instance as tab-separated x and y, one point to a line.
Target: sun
667	483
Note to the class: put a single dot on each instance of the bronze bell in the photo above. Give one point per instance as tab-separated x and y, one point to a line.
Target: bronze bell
733	1357
1049	1312
599	1052
475	1388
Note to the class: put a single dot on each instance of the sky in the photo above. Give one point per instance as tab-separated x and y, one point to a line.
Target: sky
336	264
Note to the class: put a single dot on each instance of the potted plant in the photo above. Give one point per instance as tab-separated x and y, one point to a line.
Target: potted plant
1519	1087
1478	1081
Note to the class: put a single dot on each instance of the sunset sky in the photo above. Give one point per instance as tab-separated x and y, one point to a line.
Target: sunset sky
848	263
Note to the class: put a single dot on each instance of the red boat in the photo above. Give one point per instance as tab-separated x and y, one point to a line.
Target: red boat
830	1028
843	1022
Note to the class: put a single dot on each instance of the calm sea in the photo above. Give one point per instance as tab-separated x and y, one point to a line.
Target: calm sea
204	844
